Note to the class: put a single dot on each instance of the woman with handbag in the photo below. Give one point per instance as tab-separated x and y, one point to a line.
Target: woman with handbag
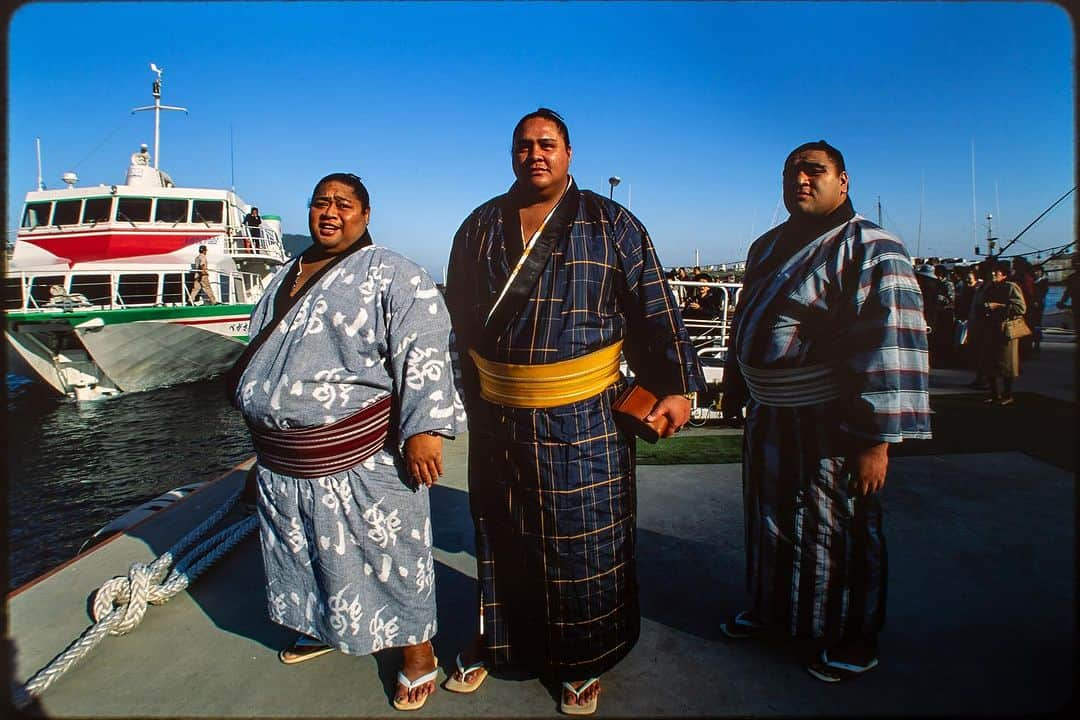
1003	325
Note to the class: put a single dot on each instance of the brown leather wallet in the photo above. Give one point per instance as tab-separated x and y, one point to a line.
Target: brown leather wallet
632	407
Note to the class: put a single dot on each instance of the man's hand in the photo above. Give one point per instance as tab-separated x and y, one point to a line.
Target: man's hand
423	458
868	468
677	410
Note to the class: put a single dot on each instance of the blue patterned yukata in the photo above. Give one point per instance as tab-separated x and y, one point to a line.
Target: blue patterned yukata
843	298
348	557
552	490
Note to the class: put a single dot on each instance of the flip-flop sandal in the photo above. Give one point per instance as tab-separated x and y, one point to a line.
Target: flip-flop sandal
460	686
587	709
832	671
410	684
304	648
741	626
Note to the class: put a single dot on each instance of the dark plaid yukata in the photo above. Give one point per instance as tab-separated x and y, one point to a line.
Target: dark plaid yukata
552	490
844	296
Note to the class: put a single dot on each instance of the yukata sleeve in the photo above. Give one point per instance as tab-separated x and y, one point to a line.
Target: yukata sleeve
887	363
734	385
462	304
418	344
657	345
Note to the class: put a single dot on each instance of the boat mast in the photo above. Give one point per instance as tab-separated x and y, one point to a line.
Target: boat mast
974	212
990	239
922	197
157	107
40	182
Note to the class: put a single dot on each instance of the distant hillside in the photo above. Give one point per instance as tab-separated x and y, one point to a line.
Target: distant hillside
295	244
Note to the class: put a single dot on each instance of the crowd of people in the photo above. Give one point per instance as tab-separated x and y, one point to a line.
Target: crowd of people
965	307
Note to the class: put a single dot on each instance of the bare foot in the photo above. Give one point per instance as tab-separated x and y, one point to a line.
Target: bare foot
586	697
417	661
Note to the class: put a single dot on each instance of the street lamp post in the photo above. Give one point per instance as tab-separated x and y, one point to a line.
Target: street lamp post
613	181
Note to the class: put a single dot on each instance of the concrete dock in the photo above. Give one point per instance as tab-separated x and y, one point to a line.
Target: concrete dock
981	607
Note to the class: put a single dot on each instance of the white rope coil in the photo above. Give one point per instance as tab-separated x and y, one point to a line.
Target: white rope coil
120	603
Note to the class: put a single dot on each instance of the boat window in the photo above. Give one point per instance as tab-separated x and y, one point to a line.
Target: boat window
40	286
171	211
138	289
97	210
173	289
210	211
67	212
133	209
36	214
96	288
223	289
12	293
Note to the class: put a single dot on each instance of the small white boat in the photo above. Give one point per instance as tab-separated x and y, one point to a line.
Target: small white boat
96	289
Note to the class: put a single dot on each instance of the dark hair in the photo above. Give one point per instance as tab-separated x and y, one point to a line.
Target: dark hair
835	155
545	114
202	248
1001	266
1021	264
349	179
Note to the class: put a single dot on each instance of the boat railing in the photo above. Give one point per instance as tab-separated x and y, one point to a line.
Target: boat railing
711	333
243	241
26	292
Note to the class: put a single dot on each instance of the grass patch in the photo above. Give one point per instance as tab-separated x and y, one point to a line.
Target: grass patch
691	450
1035	424
1040	426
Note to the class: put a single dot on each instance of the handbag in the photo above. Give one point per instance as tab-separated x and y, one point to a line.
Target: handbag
1015	329
632	407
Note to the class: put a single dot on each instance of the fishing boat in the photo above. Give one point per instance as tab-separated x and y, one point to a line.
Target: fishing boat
97	288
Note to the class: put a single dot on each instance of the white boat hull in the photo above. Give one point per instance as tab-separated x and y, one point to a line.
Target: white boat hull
144	355
89	358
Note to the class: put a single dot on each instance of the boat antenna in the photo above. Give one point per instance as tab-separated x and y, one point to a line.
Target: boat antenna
922	197
40	182
974	212
232	161
1032	223
157	107
879	212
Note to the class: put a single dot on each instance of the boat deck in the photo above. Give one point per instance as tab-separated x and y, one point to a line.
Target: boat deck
981	619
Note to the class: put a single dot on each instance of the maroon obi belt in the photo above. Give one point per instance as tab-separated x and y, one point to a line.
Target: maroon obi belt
320	451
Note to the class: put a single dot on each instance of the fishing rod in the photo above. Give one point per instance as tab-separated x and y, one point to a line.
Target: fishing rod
1032	223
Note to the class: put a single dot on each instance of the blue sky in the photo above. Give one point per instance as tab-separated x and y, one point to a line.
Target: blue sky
693	105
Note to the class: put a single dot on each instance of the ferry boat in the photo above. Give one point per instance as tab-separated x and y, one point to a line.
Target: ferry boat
97	287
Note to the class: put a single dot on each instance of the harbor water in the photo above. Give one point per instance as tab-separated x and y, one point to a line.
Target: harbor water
74	467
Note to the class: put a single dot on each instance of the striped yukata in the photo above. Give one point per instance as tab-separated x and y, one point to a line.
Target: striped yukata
348	556
552	490
846	306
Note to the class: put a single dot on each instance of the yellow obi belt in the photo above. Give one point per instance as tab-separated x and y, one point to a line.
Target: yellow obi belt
550	384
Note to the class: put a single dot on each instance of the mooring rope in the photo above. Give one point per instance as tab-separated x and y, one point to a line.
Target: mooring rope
120	604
